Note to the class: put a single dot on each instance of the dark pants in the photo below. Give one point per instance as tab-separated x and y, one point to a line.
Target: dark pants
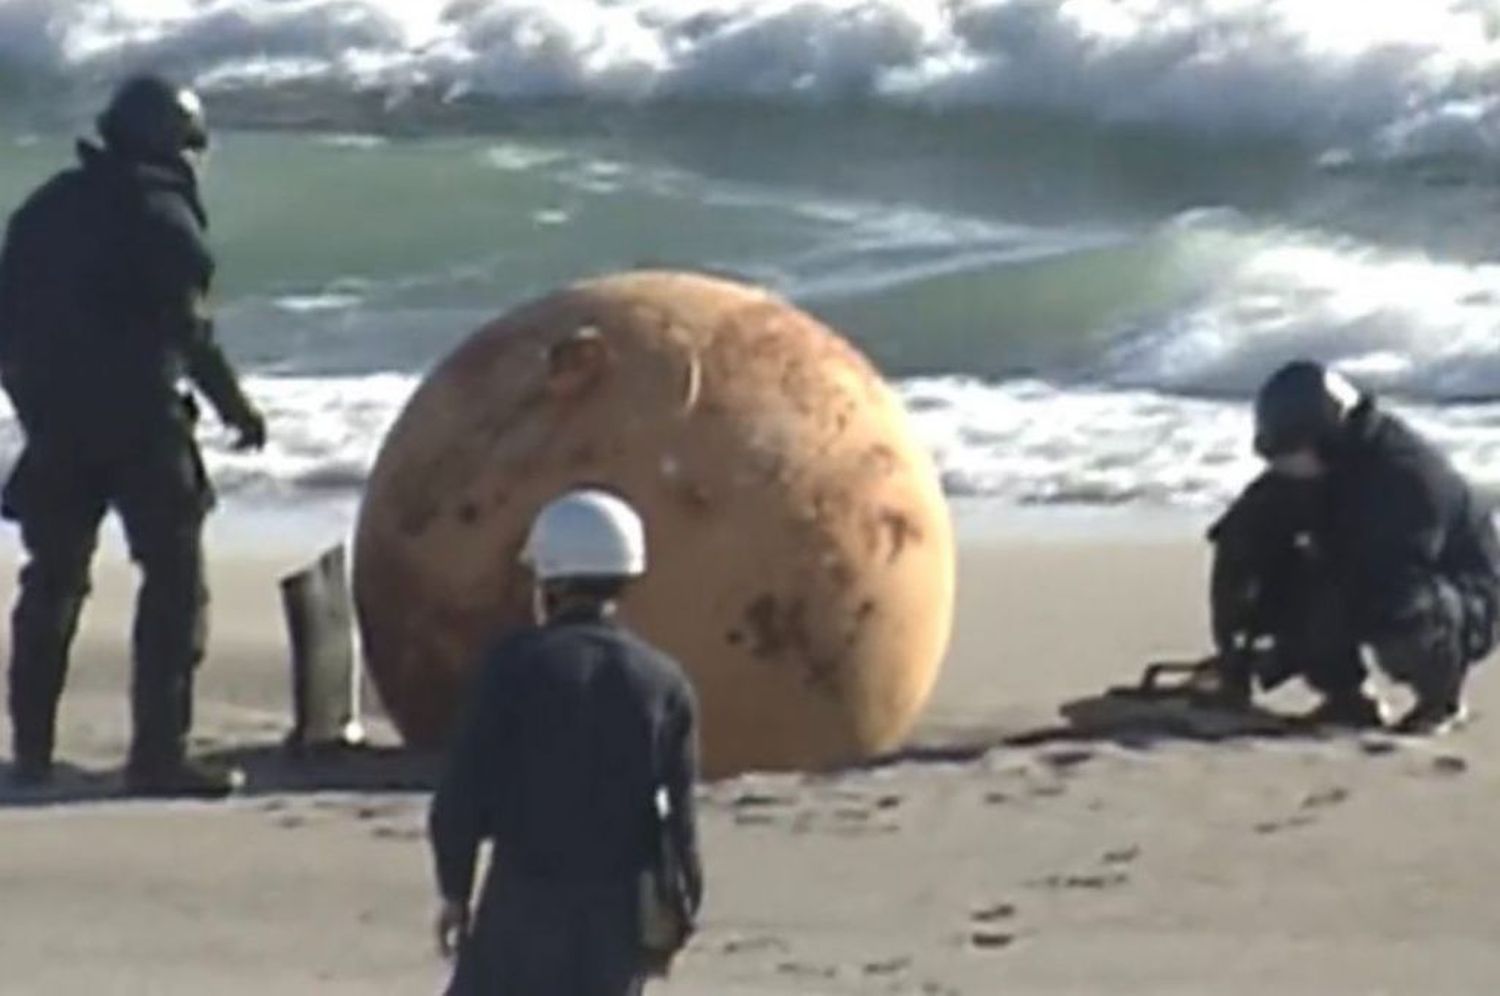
59	495
1441	630
535	938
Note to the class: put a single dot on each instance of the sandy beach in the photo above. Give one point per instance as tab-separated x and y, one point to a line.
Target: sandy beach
1011	851
1075	239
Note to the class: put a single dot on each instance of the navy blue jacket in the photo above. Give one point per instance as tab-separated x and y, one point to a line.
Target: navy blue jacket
571	729
1391	514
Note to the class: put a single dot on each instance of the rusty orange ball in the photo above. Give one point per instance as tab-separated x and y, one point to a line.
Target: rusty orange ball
802	560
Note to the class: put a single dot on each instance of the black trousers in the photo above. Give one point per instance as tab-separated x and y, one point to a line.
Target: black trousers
536	938
59	496
1443	627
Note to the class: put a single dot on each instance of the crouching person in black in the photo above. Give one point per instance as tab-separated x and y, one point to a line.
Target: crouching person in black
1359	535
577	761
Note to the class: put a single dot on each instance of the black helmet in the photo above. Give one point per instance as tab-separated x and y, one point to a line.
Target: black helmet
1303	404
153	120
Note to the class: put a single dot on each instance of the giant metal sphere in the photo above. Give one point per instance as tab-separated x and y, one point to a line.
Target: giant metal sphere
802	565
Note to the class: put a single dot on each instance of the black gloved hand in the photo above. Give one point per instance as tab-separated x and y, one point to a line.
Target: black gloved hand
250	427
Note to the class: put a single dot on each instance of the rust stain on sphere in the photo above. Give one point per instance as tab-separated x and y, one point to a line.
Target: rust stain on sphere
802	564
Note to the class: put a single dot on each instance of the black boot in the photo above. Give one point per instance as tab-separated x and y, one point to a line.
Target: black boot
181	779
158	766
32	735
1353	709
43	625
31	748
1431	661
31	772
1433	716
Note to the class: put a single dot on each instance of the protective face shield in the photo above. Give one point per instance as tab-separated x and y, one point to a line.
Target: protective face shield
195	147
197	160
154	120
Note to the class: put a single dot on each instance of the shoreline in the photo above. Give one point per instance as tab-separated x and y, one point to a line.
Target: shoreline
297	533
238	528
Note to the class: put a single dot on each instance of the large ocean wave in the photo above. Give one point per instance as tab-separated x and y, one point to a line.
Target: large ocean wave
1156	416
1396	78
1396	319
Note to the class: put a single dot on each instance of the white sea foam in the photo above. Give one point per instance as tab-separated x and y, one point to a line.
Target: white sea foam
1395	77
1033	443
314	303
1396	320
1021	442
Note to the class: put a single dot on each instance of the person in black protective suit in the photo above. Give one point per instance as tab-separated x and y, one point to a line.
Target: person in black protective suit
577	759
104	278
1360	535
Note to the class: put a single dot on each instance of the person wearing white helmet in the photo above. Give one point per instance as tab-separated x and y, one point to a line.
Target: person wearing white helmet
1359	535
576	759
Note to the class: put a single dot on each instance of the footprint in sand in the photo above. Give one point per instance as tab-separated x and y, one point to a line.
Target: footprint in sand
1277	826
803	970
1442	764
1067	759
1093	882
752	945
375	811
1450	764
399	833
1379	746
991	940
888	967
994	914
1325	798
1335	795
842	813
852	814
761	800
759	809
938	989
866	830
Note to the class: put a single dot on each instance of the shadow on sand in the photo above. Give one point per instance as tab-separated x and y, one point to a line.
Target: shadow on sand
267	768
1133	722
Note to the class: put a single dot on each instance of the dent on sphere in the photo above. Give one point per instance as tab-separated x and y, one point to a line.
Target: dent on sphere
801	551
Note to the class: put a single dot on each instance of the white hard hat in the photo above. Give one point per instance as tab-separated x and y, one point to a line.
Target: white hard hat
584	534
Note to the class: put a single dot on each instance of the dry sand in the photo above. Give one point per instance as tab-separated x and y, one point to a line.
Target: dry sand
1079	863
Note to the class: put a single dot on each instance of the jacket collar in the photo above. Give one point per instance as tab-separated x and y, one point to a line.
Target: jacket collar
603	612
100	162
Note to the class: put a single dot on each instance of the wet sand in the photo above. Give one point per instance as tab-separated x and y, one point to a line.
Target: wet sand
1010	851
